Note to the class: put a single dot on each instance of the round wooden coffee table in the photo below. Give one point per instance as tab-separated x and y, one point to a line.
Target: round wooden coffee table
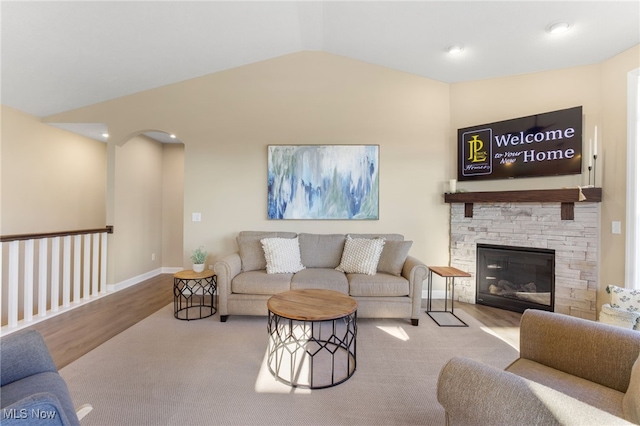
312	337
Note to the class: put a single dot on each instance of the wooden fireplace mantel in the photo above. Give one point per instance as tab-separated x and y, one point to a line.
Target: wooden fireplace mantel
566	197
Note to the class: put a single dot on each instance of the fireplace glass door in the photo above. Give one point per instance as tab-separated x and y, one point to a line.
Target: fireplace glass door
515	278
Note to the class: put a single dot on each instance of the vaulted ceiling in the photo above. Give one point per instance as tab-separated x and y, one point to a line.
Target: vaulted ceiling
59	55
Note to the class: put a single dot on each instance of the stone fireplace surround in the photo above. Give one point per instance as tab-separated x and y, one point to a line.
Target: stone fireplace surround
531	224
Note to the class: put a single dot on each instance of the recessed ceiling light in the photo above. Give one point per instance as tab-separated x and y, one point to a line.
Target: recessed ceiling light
172	136
558	27
455	49
105	135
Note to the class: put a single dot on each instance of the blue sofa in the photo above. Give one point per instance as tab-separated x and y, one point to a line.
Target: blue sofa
31	390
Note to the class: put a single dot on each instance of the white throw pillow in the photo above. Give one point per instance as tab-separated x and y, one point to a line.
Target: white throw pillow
361	255
282	255
618	317
625	298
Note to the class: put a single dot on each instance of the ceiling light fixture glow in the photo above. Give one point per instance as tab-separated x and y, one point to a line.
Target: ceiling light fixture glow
172	136
455	49
105	135
558	27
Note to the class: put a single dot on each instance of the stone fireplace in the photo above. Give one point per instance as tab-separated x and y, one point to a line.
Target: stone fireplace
567	224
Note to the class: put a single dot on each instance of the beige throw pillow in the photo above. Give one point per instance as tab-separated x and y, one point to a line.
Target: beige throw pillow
361	255
282	255
393	256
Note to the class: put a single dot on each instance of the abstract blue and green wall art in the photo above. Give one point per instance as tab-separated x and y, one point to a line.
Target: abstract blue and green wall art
323	181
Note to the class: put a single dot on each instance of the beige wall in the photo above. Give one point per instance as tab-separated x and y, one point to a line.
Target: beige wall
172	204
227	119
612	164
52	180
138	209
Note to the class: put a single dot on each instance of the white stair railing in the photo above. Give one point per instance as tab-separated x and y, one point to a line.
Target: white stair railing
82	268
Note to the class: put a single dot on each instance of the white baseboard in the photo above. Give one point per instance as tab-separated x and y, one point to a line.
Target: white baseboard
133	280
171	269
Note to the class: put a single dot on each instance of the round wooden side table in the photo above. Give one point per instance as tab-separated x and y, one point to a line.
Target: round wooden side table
193	294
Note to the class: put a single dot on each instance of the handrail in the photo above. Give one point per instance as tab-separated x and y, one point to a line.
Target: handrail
17	237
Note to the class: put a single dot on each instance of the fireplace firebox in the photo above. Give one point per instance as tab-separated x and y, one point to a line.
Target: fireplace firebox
515	278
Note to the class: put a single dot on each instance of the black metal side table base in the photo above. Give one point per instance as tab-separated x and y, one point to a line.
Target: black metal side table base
447	317
194	295
450	317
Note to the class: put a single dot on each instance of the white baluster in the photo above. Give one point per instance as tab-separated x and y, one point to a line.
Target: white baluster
103	264
12	294
55	274
77	263
66	272
87	266
96	265
27	286
42	277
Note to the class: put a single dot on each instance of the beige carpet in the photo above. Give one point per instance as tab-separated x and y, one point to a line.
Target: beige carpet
163	371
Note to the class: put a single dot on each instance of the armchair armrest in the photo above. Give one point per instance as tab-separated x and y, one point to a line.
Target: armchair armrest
607	353
37	408
473	393
27	354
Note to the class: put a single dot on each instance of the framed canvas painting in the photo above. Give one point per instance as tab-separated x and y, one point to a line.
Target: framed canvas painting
323	182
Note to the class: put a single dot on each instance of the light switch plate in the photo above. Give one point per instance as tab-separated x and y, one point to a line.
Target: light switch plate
196	217
616	227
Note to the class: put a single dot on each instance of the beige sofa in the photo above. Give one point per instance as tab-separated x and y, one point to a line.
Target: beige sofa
571	371
395	291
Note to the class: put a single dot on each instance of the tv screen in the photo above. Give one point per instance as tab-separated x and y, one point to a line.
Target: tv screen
547	144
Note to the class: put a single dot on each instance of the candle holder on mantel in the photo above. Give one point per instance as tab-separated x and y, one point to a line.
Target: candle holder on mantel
595	158
589	180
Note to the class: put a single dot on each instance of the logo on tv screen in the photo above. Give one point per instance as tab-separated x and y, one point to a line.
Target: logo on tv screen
477	152
547	144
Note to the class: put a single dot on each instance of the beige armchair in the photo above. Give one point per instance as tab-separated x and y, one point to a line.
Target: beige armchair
570	371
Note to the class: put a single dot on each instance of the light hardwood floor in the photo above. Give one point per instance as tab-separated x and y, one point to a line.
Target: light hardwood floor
73	334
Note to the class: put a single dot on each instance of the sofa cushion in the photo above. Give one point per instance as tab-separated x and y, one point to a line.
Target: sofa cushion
282	255
361	255
250	248
320	278
631	400
377	285
591	393
259	282
321	251
394	254
618	317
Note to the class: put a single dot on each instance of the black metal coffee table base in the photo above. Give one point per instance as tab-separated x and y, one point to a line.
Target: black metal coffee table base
313	354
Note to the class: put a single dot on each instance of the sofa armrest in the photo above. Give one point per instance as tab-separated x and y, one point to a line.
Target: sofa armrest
415	272
607	353
226	269
473	393
27	354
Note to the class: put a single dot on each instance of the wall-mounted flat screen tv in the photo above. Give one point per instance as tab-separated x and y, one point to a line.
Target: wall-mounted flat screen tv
547	144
